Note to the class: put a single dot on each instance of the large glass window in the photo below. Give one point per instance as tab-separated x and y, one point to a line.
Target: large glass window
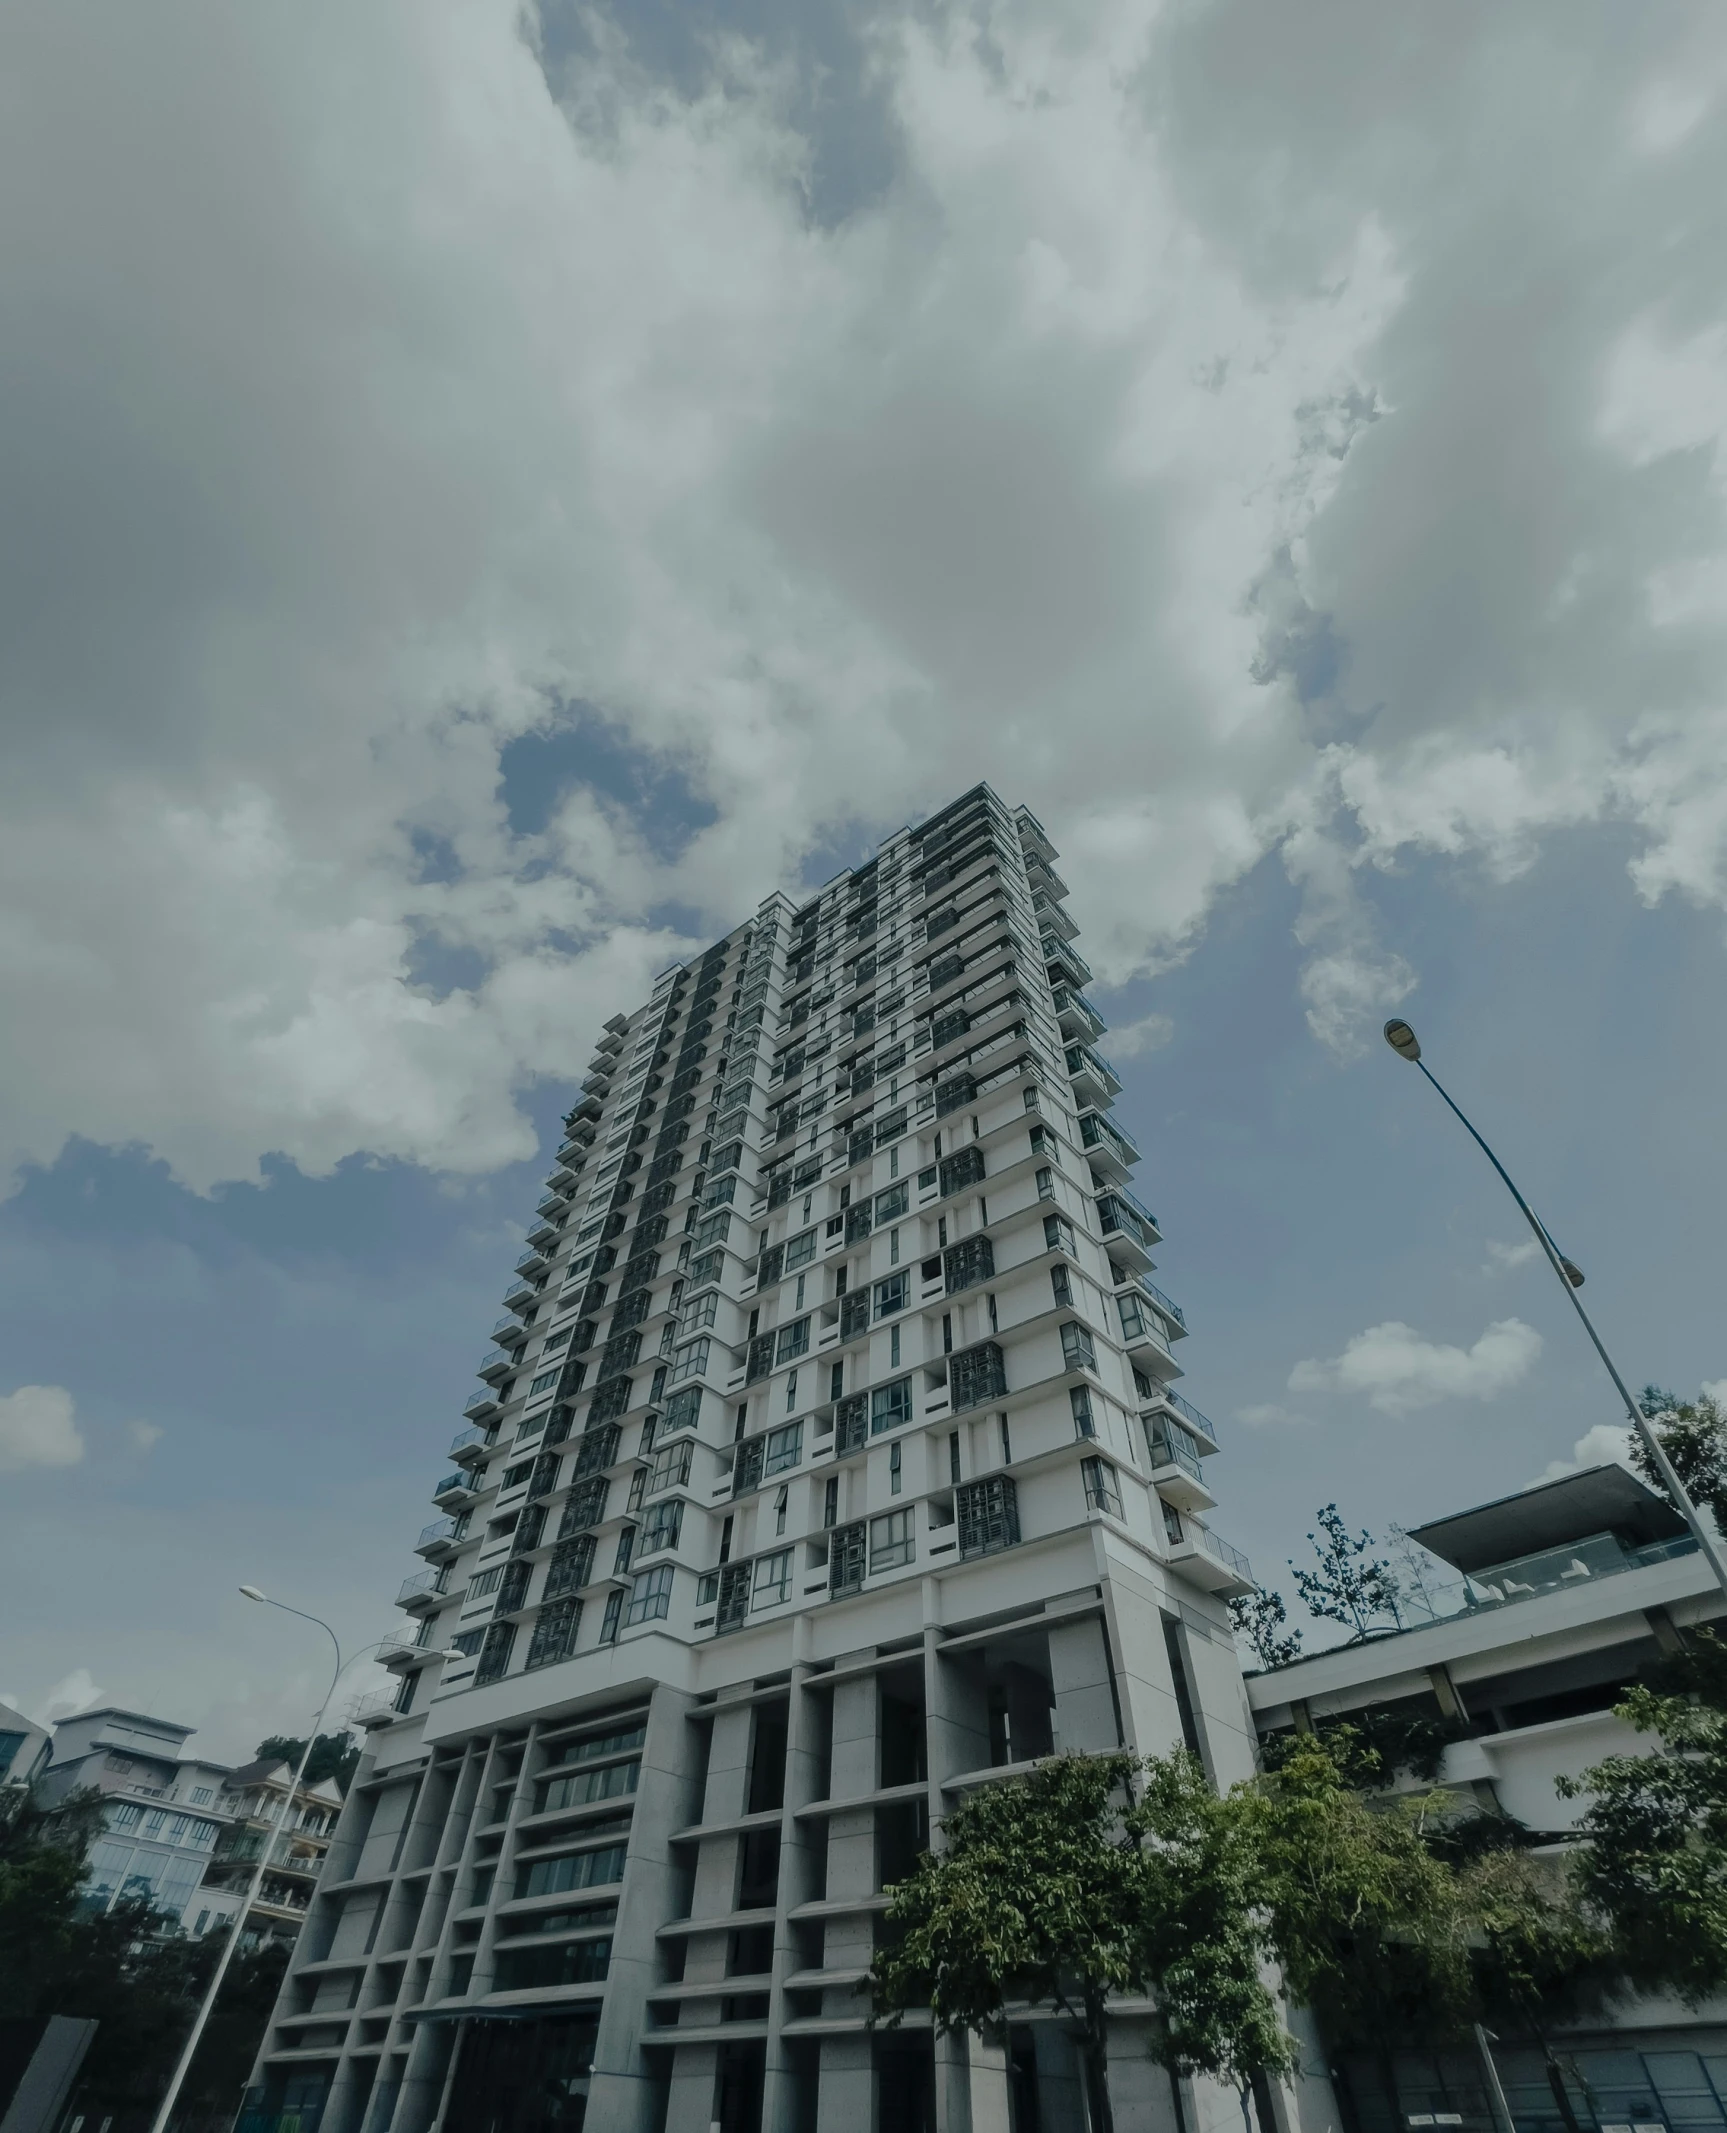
892	1542
890	1406
651	1595
773	1579
893	1294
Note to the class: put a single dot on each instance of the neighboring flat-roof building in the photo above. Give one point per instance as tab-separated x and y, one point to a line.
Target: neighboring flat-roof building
829	1463
186	1832
24	1747
1565	1593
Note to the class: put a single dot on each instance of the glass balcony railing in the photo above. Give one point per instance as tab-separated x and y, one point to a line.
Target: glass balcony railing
1096	1131
1165	1304
1533	1577
1220	1550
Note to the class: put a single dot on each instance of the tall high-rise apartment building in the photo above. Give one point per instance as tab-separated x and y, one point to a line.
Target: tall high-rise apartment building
828	1465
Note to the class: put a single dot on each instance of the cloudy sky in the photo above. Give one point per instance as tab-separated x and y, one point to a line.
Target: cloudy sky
489	494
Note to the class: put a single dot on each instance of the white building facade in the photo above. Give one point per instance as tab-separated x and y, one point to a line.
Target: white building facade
1569	1592
830	1463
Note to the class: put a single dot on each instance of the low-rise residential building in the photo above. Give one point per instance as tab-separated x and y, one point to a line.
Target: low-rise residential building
1564	1594
186	1832
24	1747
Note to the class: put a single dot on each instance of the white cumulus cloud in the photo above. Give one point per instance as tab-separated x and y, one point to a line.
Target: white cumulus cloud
38	1428
1503	1258
75	1692
1395	1370
382	388
1605	1444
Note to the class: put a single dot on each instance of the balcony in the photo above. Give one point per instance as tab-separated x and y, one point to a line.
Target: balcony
1080	1021
563	1174
510	1332
554	1207
1051	918
1173	1315
1176	1472
459	1488
497	1365
440	1536
1095	1081
403	1649
531	1262
480	1408
470	1445
520	1295
1112	1151
424	1589
376	1709
1191	1415
544	1234
1128	1236
1208	1560
1064	958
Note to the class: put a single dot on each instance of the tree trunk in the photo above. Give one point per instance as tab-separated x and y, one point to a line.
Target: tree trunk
1094	2059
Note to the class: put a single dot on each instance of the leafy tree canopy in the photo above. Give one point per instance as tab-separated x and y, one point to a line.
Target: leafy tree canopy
1261	1621
1693	1434
334	1755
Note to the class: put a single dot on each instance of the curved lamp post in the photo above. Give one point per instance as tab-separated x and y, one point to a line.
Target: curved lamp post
1403	1041
206	2006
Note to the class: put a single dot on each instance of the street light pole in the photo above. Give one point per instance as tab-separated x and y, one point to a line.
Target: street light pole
207	2005
1403	1041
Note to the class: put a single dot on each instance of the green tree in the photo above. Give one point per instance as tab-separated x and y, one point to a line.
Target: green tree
1693	1434
1655	1863
1261	1620
1349	1586
1093	1875
334	1755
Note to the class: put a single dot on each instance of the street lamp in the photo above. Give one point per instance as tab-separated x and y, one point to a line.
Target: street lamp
1404	1042
207	2005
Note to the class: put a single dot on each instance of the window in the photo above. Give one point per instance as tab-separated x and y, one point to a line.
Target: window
683	1410
892	1543
690	1361
585	1506
554	1636
651	1596
1046	1184
1058	1235
130	1815
714	1229
572	1870
671	1468
700	1313
800	1250
1133	1320
895	1468
784	1448
773	1579
487	1581
707	1267
893	1203
1079	1398
662	1526
495	1651
1172	1522
988	1514
1102	1491
893	1294
793	1341
975	1375
557	1340
1061	1283
967	1263
890	1406
1077	1349
571	1567
202	1795
468	1641
958	1171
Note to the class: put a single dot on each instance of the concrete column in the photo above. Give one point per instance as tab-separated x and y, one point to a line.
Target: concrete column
690	2102
779	2097
845	2101
620	2093
849	1942
1085	1703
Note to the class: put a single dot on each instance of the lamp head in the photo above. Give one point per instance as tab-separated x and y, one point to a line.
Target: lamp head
1402	1040
251	1592
1573	1272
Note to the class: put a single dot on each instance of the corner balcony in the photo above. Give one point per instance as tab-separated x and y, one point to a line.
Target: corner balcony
471	1445
457	1490
1176	1472
1065	960
441	1537
402	1648
1080	1021
1113	1150
544	1234
496	1365
424	1589
480	1408
553	1207
1095	1081
509	1332
530	1264
563	1174
1198	1425
1204	1558
377	1709
1128	1229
